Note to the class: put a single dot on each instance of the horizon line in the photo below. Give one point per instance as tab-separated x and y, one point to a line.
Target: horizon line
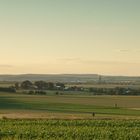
18	74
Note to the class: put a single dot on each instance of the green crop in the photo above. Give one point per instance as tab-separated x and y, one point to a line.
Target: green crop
69	129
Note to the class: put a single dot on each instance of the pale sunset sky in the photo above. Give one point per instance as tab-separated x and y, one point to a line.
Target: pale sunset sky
70	36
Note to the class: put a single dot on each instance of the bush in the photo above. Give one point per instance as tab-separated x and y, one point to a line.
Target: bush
7	89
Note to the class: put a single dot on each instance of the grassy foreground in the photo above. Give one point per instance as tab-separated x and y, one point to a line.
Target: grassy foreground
69	129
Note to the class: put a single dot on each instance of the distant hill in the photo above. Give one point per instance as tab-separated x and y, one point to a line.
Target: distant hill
69	78
50	77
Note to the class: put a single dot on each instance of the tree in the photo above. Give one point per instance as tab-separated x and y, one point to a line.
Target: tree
26	85
50	86
17	86
41	85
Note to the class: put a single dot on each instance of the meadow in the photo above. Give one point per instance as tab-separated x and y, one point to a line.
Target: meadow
73	105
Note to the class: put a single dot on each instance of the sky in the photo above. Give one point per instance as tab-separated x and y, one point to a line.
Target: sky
70	36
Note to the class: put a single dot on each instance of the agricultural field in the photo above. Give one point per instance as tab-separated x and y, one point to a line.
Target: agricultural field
70	104
6	84
69	129
103	85
61	117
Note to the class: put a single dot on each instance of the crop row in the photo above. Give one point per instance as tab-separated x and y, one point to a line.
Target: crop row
69	129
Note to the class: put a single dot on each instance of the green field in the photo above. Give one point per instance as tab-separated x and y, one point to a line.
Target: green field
70	104
97	85
69	130
51	117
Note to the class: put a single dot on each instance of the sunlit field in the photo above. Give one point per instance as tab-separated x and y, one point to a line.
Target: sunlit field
69	129
70	104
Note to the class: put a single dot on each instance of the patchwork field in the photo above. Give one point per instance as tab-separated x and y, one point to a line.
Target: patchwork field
34	117
68	106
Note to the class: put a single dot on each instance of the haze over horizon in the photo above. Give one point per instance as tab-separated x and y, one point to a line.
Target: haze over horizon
70	36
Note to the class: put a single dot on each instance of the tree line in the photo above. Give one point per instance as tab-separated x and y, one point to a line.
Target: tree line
40	87
8	89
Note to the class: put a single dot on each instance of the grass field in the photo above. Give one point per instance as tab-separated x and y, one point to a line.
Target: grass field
69	105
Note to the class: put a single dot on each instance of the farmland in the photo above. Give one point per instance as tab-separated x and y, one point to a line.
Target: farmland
69	70
68	115
70	104
69	129
51	117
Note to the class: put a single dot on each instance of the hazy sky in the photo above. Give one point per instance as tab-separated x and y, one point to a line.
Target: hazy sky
70	36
